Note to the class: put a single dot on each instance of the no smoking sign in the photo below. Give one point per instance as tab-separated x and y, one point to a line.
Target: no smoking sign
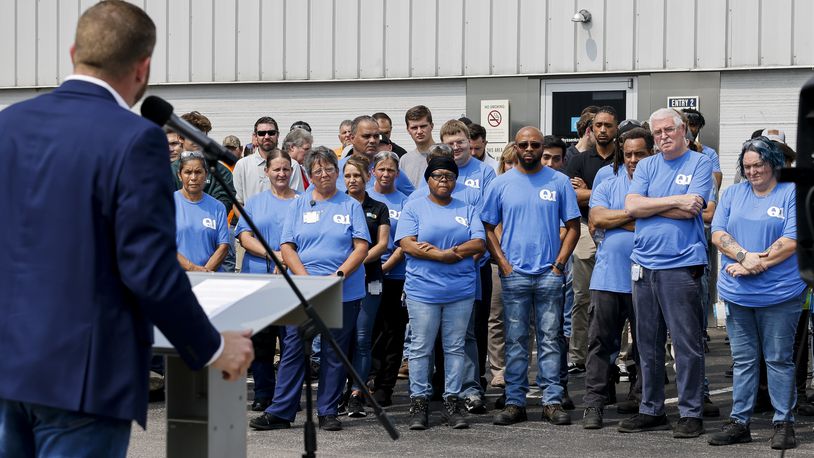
494	116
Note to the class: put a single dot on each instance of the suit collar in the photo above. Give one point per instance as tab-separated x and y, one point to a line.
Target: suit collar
92	86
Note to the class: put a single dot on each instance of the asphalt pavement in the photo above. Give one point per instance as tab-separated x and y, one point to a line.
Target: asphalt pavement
364	437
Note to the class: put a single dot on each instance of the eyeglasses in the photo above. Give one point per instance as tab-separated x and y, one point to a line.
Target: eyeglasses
457	144
323	171
439	177
667	131
175	143
525	145
195	154
263	133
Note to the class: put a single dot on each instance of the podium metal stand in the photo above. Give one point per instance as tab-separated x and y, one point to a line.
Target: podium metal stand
206	416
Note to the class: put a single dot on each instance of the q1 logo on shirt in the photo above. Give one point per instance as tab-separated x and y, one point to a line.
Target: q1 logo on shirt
395	214
775	212
550	196
342	219
462	221
472	183
210	223
683	180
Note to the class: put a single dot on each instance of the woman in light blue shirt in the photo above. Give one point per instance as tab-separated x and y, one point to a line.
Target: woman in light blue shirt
755	229
441	236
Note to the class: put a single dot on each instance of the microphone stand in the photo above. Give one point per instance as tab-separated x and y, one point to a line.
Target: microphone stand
309	329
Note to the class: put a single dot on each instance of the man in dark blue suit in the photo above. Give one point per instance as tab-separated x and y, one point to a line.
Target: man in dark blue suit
88	256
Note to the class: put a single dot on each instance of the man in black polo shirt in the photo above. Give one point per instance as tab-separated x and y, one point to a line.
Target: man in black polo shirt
582	169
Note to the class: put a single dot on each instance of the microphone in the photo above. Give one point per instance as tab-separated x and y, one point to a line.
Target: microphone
313	203
160	112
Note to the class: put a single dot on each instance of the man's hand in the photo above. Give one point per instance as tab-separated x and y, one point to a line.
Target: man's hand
736	270
505	268
689	203
237	355
578	183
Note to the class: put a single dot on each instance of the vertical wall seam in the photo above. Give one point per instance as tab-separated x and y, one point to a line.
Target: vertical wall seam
695	35
635	34
791	27
410	38
463	38
517	42
759	32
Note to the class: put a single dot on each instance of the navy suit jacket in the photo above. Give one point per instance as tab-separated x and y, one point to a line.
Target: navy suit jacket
88	255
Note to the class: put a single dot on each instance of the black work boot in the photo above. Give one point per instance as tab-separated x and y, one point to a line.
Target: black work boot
452	413
419	414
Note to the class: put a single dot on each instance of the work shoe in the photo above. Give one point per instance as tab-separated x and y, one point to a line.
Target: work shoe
267	422
452	414
404	369
567	402
688	427
628	406
710	409
592	418
575	369
419	414
329	423
260	404
356	407
731	433
475	405
510	415
643	422
783	437
384	397
555	414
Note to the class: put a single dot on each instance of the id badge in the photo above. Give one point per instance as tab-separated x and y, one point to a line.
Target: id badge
310	217
374	287
635	272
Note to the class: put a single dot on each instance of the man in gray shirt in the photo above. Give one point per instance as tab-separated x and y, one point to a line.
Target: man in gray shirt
419	126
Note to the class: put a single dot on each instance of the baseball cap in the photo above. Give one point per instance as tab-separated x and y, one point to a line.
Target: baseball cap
774	134
231	141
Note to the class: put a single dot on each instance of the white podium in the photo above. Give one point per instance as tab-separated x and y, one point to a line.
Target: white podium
206	416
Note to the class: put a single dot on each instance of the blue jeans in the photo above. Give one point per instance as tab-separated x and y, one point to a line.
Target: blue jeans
542	293
28	430
470	387
768	330
364	335
568	289
452	319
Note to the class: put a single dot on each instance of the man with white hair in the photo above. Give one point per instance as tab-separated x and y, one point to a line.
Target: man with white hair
666	197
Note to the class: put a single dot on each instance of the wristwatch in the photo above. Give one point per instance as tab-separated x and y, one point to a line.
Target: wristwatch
339	273
560	266
740	255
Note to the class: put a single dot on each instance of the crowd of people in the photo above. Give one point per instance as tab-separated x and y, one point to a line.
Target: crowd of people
600	257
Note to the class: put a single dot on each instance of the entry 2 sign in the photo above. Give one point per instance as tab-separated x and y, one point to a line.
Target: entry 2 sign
686	101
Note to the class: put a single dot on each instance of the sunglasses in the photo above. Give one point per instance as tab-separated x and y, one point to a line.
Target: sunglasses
442	176
195	154
525	145
263	133
629	122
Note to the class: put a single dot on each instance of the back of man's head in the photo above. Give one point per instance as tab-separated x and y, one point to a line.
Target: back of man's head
111	37
198	120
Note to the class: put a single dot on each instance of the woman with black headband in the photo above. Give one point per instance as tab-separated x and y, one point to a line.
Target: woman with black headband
440	236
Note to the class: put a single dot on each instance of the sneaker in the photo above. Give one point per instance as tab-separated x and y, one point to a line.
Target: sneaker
384	397
260	404
356	407
592	418
452	414
710	409
475	405
624	375
688	427
643	422
419	414
628	406
510	415
500	402
329	423
575	369
404	369
783	437
567	402
555	414
267	422
731	433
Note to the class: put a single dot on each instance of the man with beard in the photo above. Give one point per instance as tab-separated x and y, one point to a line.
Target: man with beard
532	271
582	169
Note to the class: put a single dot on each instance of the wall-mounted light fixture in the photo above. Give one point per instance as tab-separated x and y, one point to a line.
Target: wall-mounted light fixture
583	16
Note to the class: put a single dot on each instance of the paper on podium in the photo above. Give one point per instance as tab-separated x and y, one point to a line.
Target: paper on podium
254	301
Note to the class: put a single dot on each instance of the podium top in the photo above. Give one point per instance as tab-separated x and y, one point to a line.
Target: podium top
255	301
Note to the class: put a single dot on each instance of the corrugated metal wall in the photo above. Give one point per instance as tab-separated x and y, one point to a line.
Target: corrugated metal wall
275	40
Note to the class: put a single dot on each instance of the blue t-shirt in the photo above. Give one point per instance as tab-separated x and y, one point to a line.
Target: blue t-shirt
323	235
394	201
268	213
713	156
530	208
403	184
470	196
475	174
756	222
612	268
606	172
199	227
435	282
666	243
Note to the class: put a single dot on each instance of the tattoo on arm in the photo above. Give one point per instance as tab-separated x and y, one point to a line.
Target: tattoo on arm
776	246
727	241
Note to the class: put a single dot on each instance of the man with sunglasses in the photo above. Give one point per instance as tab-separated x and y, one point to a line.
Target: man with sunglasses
532	271
666	197
582	169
